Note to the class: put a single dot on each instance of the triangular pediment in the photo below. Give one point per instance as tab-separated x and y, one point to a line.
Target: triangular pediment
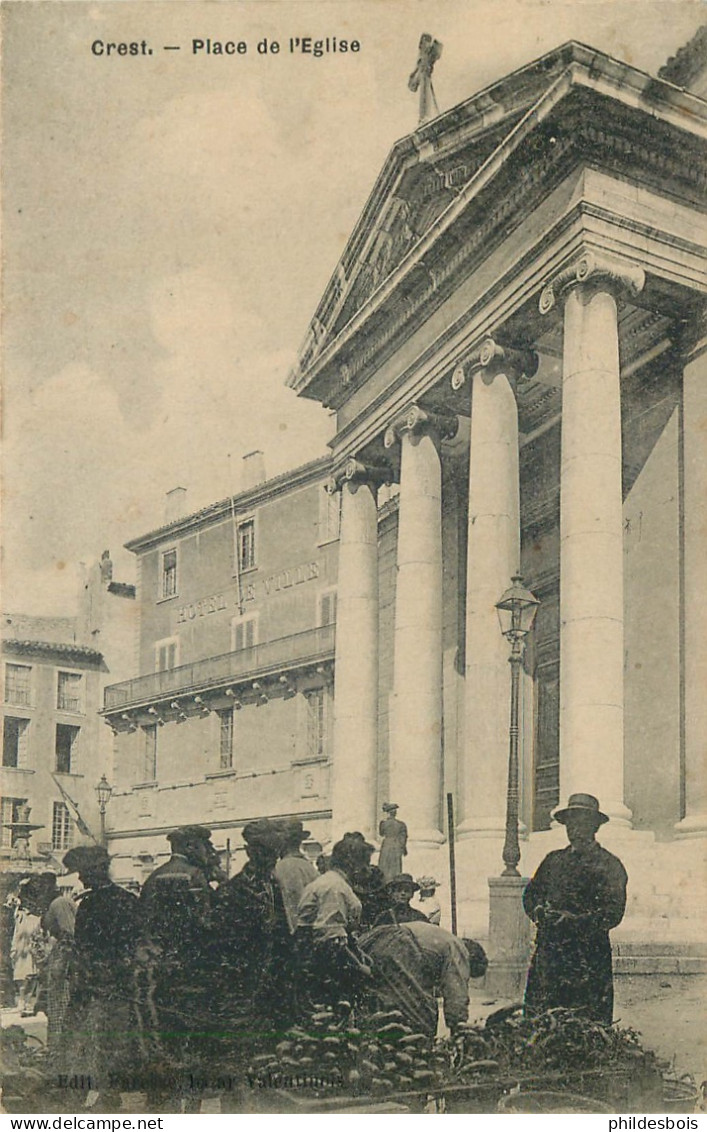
423	175
464	180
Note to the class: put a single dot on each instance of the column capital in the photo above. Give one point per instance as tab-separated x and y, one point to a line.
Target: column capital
357	472
416	421
489	355
596	268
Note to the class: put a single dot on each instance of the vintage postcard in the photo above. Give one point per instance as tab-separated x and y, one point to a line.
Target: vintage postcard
354	635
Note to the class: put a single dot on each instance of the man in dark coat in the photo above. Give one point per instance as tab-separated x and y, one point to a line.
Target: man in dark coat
99	1029
172	989
252	944
576	896
399	892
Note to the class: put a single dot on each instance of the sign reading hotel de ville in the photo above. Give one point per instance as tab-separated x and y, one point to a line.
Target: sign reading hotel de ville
409	297
248	591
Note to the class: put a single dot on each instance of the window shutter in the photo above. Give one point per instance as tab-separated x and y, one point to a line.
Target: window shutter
328	608
244	634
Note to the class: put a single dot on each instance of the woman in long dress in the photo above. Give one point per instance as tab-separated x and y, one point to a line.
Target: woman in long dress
24	969
394	844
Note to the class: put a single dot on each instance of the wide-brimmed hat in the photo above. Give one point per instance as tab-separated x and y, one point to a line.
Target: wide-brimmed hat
428	882
292	829
190	833
262	832
578	804
403	878
85	857
388	806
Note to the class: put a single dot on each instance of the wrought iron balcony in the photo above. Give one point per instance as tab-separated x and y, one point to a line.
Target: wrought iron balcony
285	654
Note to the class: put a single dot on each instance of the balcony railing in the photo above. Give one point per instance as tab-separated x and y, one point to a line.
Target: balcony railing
296	651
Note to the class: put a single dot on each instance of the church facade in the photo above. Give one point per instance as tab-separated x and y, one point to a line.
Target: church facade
514	335
513	345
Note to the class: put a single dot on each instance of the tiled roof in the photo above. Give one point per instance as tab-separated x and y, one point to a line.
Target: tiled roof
61	647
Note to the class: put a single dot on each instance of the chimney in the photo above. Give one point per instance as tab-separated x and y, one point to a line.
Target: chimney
175	504
253	469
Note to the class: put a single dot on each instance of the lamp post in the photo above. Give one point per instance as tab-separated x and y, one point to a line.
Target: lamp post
104	791
516	613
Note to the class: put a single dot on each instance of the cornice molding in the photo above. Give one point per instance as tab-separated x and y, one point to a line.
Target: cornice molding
596	268
582	140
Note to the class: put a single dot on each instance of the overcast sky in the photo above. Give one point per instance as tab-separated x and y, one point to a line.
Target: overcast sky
170	222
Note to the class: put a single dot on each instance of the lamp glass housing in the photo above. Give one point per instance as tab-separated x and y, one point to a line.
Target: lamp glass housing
516	610
104	791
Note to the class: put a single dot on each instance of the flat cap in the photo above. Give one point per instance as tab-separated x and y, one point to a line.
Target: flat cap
190	833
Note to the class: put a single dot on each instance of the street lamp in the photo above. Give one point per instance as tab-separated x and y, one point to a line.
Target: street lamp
104	791
516	613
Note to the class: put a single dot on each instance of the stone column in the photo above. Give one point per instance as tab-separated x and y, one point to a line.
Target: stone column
355	765
416	723
493	557
694	611
591	532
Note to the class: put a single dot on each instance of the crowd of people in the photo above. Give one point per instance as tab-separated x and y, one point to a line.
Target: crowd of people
201	968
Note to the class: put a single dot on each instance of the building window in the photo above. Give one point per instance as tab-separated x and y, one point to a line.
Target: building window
316	723
15	734
61	826
327	607
9	812
244	633
18	689
329	515
150	754
65	748
246	545
166	654
70	692
226	739
169	573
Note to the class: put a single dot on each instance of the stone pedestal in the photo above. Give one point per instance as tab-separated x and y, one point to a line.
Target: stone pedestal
510	933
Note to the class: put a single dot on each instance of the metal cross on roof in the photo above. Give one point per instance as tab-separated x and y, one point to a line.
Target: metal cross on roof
429	52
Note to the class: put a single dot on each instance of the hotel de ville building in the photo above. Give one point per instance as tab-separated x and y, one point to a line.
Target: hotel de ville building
513	344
